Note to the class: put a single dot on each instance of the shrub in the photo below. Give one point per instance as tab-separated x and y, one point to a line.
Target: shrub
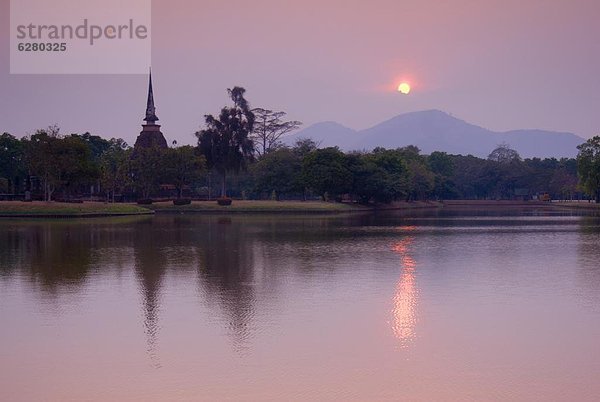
182	201
224	201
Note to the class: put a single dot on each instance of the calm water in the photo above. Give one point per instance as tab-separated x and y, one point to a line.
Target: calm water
385	307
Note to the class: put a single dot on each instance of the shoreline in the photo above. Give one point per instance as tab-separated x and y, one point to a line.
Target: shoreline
257	207
283	207
57	210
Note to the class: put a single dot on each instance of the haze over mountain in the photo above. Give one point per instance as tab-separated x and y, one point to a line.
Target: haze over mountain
434	130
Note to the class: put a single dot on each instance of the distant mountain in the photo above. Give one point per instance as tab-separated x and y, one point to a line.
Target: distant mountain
434	130
326	134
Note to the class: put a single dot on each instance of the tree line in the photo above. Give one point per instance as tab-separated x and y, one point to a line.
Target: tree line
239	151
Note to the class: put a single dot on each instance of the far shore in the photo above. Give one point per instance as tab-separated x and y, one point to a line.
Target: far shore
500	204
40	209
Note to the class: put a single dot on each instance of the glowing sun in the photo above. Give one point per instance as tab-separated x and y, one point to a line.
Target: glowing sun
404	88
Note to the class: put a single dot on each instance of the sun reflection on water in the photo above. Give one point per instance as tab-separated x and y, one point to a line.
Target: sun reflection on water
404	314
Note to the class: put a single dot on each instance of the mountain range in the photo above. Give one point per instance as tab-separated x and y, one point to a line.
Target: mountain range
434	130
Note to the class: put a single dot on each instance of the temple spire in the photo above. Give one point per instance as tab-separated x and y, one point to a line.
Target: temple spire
151	117
150	136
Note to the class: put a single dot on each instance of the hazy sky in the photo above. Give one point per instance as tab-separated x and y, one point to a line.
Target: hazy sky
499	64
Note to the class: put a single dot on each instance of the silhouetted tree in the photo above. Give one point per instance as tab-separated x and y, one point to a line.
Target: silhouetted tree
97	144
225	141
588	167
304	146
381	176
12	161
279	171
269	127
326	172
442	167
504	154
115	172
183	165
420	178
57	161
147	168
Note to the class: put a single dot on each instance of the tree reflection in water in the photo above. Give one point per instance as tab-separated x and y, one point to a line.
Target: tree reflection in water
222	251
227	275
588	268
405	300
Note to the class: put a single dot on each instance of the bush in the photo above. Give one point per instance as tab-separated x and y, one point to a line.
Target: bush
145	201
69	200
224	201
182	201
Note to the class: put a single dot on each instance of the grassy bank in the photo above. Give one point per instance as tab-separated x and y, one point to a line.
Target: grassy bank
494	204
91	209
258	207
40	209
59	210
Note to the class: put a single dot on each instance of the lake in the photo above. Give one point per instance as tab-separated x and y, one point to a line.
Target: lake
432	305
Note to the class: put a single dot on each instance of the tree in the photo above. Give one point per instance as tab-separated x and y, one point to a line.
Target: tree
442	166
588	167
380	176
12	161
279	171
225	141
508	170
562	184
269	127
420	179
326	171
147	168
114	167
504	154
304	146
59	162
183	165
79	168
40	152
97	144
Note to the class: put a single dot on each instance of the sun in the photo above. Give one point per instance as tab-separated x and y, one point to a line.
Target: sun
404	88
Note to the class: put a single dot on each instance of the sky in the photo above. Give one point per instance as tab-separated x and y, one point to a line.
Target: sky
502	65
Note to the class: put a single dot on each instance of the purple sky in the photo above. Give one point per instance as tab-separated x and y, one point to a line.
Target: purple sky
499	64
